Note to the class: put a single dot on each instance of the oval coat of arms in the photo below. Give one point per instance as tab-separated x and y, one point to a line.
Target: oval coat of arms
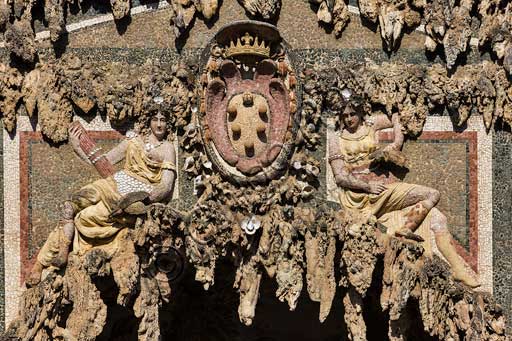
248	102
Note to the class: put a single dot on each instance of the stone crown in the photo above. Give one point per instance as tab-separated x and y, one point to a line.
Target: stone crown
248	45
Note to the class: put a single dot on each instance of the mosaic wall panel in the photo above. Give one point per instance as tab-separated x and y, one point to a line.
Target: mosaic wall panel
2	251
33	189
502	220
42	169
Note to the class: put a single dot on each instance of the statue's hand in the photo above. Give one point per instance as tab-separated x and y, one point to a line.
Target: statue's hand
74	136
395	156
389	154
377	156
376	188
136	208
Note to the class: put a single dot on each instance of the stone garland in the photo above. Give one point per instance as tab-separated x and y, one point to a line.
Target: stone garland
56	90
415	91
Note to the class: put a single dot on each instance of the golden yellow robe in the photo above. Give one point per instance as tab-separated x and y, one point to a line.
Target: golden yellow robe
93	225
388	206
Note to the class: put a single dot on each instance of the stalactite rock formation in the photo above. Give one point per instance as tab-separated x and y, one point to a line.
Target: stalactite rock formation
52	88
447	24
266	9
446	307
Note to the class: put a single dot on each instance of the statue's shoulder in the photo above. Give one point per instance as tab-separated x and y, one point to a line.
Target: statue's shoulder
169	148
334	143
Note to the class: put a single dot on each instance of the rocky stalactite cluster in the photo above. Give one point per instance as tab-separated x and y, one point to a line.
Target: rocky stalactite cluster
450	26
415	91
329	250
72	305
496	28
334	13
183	13
17	18
448	309
447	24
10	94
55	91
265	9
393	17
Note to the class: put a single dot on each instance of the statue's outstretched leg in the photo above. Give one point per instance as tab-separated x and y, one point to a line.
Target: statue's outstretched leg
444	244
423	199
56	248
413	220
68	231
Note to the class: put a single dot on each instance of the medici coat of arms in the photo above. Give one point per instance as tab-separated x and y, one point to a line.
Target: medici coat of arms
248	102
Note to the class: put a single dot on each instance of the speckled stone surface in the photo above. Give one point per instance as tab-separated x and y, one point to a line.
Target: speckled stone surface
2	272
502	220
443	165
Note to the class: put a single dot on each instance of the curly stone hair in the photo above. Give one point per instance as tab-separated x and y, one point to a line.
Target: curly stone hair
338	99
158	106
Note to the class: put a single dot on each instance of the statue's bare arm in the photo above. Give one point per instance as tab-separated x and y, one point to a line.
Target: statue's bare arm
382	121
74	138
166	186
343	178
117	153
114	156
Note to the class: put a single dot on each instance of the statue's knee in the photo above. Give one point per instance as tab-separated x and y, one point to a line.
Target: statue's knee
439	222
434	196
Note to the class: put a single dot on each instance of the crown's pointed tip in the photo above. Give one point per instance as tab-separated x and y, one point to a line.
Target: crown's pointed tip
248	45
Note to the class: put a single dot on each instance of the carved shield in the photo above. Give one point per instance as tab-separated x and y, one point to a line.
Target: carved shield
248	102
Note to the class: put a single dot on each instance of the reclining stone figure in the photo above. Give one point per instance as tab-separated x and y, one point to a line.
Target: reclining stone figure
366	189
97	212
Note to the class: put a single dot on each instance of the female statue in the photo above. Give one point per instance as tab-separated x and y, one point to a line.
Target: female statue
367	189
98	211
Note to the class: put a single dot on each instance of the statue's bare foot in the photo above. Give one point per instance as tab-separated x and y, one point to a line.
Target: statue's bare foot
34	276
62	257
464	277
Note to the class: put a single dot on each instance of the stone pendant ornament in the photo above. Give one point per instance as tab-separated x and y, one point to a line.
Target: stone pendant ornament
266	9
248	102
